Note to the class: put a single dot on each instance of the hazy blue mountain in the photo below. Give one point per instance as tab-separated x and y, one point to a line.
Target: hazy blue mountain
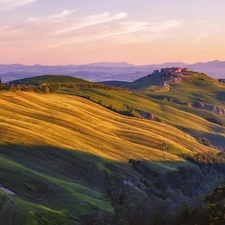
172	64
105	71
215	69
112	64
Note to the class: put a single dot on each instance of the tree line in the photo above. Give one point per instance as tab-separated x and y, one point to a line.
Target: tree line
50	88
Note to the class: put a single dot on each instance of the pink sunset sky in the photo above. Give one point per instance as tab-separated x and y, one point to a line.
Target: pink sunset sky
60	32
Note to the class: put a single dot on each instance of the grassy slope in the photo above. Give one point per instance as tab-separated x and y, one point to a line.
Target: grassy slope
115	83
48	79
146	82
57	153
197	88
201	89
70	122
186	118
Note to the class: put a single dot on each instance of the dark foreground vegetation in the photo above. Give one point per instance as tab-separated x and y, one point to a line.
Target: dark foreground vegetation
177	197
116	193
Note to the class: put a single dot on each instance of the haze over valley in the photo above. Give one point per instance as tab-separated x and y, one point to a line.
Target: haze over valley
105	71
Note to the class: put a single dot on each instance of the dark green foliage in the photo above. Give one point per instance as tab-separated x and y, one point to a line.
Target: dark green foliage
212	211
52	185
217	195
175	198
216	121
51	83
187	179
205	142
138	194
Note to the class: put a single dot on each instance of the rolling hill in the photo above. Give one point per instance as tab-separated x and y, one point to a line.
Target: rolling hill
52	155
196	96
48	79
90	154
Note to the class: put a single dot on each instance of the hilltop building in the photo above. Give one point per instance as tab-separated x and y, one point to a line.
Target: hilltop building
186	70
174	71
171	71
172	75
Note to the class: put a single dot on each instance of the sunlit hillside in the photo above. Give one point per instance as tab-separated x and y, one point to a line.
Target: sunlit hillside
84	153
195	105
75	123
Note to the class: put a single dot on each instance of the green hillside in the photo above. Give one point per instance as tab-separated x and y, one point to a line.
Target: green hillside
155	80
188	79
115	83
186	105
60	166
93	154
198	87
48	79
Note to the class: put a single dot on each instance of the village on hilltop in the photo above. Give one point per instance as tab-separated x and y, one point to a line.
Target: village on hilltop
173	74
170	76
173	71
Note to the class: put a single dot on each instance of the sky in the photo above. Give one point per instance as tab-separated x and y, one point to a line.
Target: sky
62	32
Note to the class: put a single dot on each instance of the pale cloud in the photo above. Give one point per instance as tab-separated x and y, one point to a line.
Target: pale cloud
92	20
8	34
122	32
104	32
63	14
201	22
64	29
133	32
199	37
55	17
8	4
42	29
34	19
140	29
166	25
133	26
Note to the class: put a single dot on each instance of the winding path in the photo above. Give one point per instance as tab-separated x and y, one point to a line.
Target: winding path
166	84
7	191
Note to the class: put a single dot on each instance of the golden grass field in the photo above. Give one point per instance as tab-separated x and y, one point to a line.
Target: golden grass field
75	123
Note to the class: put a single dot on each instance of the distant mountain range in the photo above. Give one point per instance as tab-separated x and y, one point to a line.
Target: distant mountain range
105	71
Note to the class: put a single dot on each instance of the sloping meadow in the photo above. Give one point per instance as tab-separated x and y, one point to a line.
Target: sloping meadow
69	160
